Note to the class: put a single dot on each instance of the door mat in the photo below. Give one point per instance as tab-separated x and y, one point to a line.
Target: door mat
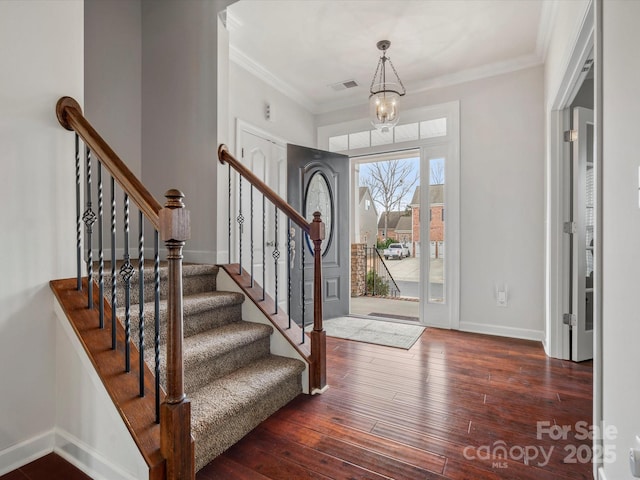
378	332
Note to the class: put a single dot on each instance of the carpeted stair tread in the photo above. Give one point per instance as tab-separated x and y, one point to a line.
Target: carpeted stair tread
217	352
226	409
195	303
221	340
240	388
196	278
202	311
208	300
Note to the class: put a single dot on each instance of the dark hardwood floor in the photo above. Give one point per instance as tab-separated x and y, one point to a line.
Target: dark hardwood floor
445	409
49	467
455	406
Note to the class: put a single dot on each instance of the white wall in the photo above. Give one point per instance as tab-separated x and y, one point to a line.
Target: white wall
502	197
89	430
180	111
248	96
113	91
42	60
621	229
113	75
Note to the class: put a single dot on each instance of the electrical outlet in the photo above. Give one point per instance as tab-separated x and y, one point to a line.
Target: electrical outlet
634	458
502	298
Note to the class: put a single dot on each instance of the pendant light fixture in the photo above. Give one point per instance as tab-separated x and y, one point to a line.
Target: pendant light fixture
384	96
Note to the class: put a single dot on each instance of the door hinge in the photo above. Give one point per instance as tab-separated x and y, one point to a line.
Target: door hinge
242	152
569	227
570	135
570	319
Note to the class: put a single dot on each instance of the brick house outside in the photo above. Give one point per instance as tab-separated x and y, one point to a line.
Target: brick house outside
436	217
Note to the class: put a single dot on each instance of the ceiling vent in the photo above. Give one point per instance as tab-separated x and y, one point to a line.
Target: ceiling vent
344	85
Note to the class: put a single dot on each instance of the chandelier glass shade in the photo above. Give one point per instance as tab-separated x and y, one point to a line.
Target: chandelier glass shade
384	104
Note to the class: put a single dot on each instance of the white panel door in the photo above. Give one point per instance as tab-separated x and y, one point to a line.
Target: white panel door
264	251
583	208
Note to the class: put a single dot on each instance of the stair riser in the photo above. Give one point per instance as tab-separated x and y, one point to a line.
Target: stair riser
194	323
191	284
215	437
199	373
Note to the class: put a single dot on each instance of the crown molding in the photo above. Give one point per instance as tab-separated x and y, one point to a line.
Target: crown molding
462	76
257	69
545	27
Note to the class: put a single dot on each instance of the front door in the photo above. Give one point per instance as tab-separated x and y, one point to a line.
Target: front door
583	203
319	181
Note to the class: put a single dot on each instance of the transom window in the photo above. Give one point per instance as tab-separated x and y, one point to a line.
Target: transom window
407	132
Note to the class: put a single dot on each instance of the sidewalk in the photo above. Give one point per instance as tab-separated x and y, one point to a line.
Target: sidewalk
386	306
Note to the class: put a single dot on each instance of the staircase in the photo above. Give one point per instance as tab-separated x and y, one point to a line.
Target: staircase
230	376
221	379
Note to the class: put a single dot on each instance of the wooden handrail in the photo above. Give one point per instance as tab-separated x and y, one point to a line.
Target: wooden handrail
70	116
316	231
273	197
173	224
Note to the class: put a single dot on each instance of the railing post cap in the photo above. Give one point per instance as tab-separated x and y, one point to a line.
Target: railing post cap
174	198
316	230
61	110
175	219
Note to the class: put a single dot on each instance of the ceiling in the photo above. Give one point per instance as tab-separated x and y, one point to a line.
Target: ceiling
302	47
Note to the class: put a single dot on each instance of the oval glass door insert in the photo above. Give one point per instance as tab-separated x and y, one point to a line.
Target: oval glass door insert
318	198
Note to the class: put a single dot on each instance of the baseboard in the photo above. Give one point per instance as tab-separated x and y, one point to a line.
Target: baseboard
27	451
68	447
502	331
87	459
208	257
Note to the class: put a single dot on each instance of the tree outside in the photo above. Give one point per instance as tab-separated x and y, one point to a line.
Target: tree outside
391	184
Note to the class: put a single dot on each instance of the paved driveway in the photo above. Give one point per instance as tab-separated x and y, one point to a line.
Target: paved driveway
405	270
408	269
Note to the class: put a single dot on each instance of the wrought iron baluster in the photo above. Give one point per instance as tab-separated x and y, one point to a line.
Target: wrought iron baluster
303	248
251	232
78	218
290	259
100	247
89	218
141	300
366	270
240	220
276	256
114	277
156	318
127	272
375	274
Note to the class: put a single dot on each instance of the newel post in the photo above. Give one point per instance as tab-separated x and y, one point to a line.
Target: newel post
318	335
176	443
